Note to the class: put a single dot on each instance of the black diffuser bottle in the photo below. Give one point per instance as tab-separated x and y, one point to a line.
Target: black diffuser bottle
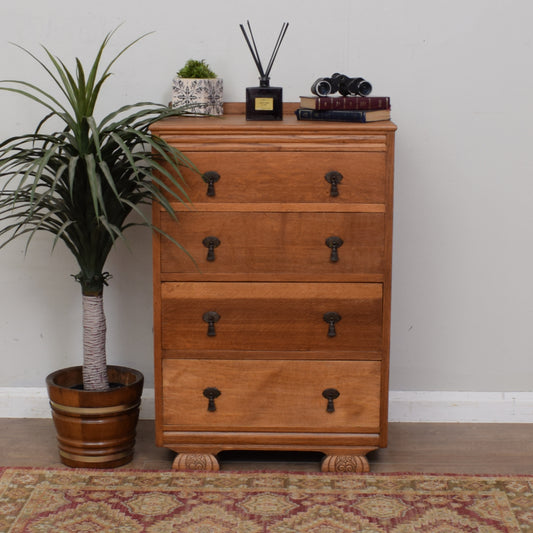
264	102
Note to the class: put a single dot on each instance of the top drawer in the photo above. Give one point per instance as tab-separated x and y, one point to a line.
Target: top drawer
289	177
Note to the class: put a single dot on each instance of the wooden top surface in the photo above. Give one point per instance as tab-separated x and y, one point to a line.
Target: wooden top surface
234	119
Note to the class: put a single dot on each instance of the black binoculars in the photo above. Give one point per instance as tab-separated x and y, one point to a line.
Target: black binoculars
343	84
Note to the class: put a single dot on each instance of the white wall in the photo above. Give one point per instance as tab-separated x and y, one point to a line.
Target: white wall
459	76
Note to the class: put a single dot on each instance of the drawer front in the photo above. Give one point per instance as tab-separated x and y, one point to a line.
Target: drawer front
272	395
288	177
272	316
294	243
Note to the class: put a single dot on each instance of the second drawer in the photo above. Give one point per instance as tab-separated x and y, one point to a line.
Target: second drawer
273	242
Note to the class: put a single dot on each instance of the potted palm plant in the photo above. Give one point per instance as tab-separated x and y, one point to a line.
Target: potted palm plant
198	87
80	183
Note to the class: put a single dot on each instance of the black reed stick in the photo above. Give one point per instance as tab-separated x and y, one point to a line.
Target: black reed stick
256	58
276	48
255	52
255	48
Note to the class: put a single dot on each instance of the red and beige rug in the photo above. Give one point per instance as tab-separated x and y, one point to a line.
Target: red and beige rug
82	501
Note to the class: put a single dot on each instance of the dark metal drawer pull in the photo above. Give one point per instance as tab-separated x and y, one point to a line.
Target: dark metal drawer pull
211	177
211	393
211	317
334	243
330	395
333	178
332	318
211	243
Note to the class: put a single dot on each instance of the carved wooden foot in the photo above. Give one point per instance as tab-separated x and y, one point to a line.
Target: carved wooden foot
357	464
196	461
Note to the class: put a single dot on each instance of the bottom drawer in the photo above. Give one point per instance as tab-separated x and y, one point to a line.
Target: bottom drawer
271	395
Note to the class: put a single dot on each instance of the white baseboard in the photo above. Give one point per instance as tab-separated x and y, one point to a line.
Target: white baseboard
437	406
404	406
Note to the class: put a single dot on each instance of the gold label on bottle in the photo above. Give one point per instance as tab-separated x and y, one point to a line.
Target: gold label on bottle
264	104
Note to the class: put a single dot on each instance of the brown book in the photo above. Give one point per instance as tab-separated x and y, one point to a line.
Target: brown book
344	103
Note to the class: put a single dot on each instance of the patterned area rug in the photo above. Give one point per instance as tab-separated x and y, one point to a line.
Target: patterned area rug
76	501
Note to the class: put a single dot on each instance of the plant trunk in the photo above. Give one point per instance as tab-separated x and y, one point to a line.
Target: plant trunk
94	343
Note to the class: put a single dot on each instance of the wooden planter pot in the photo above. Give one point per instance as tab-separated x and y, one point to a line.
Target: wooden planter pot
95	429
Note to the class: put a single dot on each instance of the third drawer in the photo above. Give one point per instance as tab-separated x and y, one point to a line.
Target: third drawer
216	316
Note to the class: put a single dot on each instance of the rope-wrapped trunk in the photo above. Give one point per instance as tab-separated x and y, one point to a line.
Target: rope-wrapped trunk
94	343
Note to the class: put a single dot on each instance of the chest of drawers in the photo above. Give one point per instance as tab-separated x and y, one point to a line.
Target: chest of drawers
272	333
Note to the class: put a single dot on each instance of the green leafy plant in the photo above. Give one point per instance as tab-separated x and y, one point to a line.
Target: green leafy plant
82	182
196	69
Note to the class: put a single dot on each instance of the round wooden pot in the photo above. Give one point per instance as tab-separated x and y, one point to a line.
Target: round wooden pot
95	429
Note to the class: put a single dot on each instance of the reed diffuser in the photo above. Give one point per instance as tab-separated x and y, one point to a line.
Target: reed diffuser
264	102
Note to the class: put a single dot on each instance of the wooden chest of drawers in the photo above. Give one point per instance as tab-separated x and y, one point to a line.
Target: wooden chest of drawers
275	335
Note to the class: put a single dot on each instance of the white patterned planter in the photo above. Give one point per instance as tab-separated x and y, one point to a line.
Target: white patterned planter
202	96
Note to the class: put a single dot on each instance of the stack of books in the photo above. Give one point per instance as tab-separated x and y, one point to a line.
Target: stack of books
344	108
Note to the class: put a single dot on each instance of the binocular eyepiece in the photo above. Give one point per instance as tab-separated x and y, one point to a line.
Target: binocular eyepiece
343	84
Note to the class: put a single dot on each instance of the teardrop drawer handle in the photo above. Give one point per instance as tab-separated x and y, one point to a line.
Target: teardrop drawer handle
333	178
211	317
332	318
211	243
330	395
211	393
210	177
334	243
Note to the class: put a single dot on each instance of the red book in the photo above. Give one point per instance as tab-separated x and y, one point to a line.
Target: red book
345	103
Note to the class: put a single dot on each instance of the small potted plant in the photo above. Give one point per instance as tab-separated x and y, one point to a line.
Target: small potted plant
198	87
80	183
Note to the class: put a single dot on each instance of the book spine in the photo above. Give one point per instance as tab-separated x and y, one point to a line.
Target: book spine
362	103
339	116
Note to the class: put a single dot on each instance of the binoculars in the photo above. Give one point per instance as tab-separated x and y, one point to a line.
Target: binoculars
343	84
